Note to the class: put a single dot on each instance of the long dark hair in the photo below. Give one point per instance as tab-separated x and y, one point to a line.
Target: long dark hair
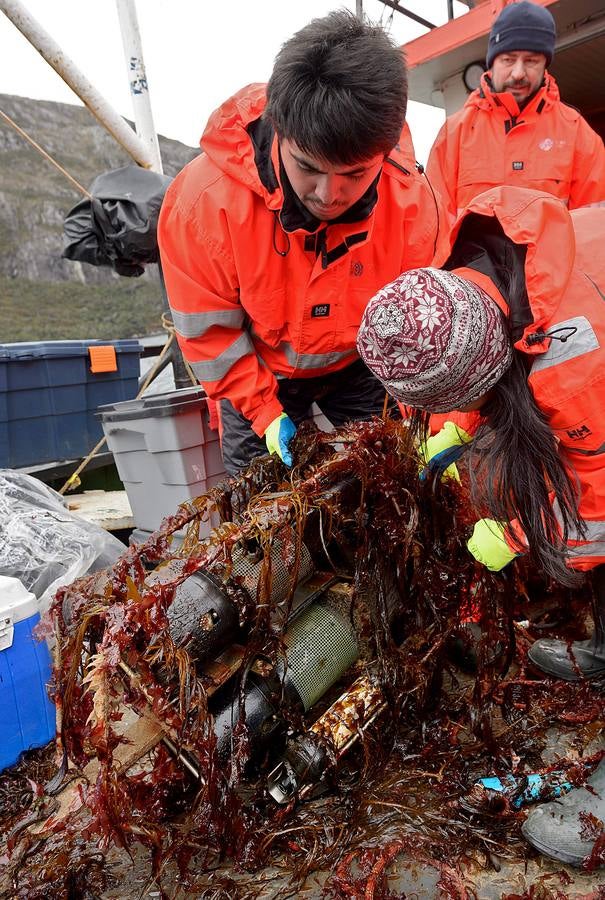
515	467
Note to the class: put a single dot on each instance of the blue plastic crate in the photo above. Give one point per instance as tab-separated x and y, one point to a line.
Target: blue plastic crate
49	395
26	713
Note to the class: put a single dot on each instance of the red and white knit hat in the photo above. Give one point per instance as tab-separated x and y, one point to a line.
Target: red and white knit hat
435	340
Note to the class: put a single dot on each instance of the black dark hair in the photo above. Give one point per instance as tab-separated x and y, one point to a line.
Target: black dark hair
515	467
513	461
339	90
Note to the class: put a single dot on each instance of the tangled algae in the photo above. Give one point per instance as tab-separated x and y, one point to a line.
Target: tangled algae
210	828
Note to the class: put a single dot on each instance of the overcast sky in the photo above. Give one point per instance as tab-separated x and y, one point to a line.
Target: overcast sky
196	52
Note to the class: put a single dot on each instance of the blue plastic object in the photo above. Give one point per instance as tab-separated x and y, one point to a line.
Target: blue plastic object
278	436
529	788
442	461
26	713
49	395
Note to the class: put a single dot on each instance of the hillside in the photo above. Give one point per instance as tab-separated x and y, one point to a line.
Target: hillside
42	296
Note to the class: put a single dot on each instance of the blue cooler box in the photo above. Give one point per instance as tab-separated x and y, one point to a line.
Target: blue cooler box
26	713
49	393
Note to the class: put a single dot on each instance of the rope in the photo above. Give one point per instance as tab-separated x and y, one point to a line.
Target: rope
46	155
74	481
168	325
385	406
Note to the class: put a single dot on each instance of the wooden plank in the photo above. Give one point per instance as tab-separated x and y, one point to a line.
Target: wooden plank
142	732
143	735
109	509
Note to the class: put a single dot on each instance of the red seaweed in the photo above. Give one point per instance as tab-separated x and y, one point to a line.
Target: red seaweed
400	543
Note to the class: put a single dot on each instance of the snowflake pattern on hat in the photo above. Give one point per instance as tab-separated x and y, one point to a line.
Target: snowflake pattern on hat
388	320
436	341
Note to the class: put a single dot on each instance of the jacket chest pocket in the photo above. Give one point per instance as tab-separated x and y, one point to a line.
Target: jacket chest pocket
477	171
549	167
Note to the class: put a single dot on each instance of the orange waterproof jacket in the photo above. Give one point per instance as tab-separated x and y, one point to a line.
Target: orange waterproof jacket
489	142
258	291
564	338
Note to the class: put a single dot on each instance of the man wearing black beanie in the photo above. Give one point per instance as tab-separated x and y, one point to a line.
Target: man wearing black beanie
514	129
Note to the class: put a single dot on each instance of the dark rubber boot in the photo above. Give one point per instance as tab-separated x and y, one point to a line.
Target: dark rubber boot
559	829
574	662
581	659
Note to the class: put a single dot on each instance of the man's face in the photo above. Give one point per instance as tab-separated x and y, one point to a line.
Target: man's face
519	72
327	190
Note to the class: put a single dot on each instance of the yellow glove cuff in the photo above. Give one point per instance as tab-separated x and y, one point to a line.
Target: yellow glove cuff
272	434
488	545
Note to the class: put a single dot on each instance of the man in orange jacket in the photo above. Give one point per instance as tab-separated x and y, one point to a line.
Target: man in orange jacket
514	129
304	202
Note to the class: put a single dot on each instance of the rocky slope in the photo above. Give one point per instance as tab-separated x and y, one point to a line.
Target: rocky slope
42	296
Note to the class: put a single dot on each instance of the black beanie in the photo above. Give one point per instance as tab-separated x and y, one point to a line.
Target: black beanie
522	26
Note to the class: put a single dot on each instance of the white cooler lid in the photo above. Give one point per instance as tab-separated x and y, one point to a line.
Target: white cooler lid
16	600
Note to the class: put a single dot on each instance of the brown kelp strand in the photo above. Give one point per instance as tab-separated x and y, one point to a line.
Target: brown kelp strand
446	640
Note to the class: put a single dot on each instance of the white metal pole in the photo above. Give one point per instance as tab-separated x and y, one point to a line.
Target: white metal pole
139	89
69	72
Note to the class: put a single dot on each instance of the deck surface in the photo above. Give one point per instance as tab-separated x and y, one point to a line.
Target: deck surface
108	509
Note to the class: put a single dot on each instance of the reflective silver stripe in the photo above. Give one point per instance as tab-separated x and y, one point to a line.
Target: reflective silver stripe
594	205
595	549
594	528
194	325
308	360
582	340
213	369
314	360
595	531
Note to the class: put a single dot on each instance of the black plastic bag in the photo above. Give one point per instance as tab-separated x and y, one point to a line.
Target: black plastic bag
118	226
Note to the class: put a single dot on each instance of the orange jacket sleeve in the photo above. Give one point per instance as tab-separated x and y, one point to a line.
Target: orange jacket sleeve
202	288
588	176
442	168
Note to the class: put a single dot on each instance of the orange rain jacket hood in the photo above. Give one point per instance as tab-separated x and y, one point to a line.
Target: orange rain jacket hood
547	146
559	323
258	288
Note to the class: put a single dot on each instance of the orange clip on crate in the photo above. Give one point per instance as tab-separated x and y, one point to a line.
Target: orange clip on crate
103	358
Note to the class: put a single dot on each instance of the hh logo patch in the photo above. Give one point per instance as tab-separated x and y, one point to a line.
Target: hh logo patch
356	268
579	433
517	166
320	311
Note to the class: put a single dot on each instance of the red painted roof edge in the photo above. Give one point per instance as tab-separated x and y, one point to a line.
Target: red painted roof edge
473	24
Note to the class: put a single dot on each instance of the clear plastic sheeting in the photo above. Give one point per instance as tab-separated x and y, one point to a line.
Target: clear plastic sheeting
43	544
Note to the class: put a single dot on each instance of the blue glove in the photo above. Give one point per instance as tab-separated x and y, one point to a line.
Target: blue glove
278	435
440	452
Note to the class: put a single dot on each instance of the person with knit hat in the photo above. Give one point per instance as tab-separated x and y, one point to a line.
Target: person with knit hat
515	129
512	330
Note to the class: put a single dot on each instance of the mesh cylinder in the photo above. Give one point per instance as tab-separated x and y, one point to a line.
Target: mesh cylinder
321	645
247	570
